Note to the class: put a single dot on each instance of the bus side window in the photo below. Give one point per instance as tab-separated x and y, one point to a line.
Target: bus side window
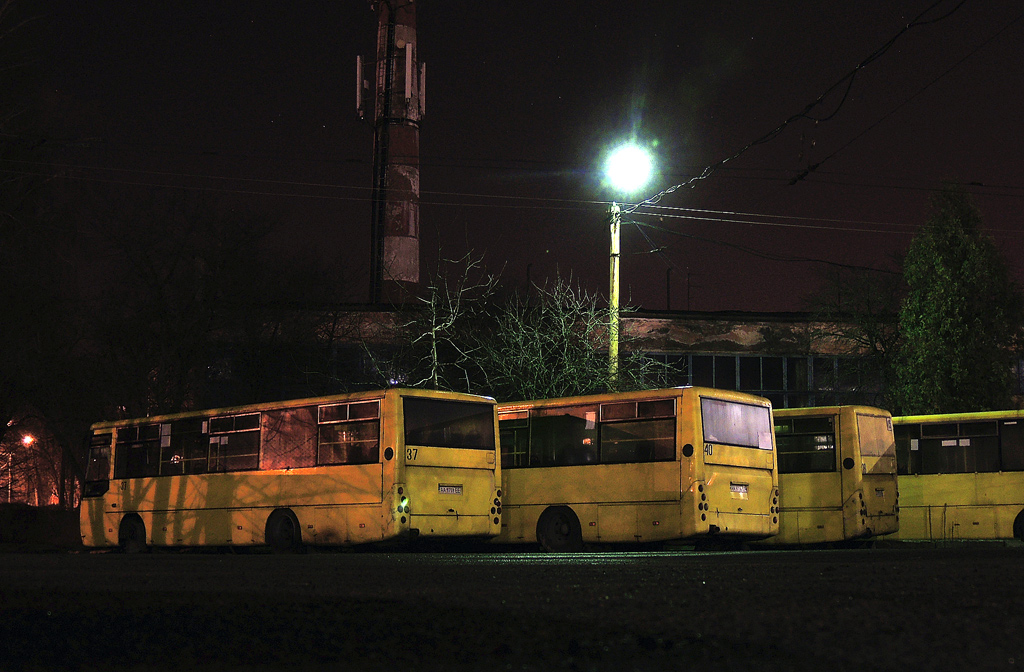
515	442
982	439
172	462
235	442
568	437
1011	433
349	433
959	448
289	438
190	442
137	453
908	457
805	445
349	443
638	441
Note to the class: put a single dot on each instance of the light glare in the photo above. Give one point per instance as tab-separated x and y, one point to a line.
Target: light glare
629	168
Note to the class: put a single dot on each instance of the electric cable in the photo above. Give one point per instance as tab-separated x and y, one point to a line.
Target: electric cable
805	113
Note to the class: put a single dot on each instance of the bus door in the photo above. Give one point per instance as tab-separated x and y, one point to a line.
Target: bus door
96	491
347	488
812	488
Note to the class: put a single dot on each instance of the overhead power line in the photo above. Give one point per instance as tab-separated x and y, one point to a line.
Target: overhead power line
442	198
845	83
802	175
771	256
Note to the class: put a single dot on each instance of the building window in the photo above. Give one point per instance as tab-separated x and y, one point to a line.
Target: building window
787	381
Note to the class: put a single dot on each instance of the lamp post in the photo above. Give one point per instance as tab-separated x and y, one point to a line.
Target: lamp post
628	169
615	223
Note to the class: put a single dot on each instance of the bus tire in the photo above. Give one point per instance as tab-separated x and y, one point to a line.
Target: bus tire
131	535
282	532
559	531
1018	526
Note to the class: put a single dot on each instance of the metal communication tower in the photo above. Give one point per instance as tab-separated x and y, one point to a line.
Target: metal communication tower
397	110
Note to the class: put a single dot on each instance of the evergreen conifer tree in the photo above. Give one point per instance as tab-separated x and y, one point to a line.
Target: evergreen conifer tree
960	323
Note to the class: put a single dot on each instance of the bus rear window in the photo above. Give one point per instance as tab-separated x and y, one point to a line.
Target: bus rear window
876	439
448	424
736	424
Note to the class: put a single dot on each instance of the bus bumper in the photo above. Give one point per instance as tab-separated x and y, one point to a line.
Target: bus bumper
425	525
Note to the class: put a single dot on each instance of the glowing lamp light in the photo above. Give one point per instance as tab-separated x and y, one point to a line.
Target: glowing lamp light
28	440
629	168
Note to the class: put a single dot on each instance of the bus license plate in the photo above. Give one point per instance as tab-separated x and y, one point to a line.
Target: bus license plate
447	489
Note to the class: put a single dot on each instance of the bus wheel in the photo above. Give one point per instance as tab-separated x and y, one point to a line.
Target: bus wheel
1018	526
131	535
558	530
282	533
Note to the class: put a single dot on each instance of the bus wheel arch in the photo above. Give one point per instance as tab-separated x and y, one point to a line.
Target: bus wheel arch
131	534
282	532
1018	526
559	530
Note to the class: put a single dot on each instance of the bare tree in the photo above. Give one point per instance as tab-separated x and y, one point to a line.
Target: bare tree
554	344
438	341
464	336
33	466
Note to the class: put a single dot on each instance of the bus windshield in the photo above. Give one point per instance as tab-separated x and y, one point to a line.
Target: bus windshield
736	424
98	466
448	424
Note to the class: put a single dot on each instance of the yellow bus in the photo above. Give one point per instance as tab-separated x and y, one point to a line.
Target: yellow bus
837	474
345	469
961	475
638	467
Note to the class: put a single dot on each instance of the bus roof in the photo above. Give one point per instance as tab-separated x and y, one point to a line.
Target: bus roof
636	395
293	403
956	417
804	411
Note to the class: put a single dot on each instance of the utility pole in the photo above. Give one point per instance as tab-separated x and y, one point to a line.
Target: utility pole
398	106
614	252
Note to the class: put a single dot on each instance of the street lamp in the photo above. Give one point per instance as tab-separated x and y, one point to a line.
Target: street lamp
628	169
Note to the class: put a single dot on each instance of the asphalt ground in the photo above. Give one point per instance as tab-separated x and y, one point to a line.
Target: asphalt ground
914	607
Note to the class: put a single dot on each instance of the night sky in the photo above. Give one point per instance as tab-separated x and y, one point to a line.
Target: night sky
255	102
